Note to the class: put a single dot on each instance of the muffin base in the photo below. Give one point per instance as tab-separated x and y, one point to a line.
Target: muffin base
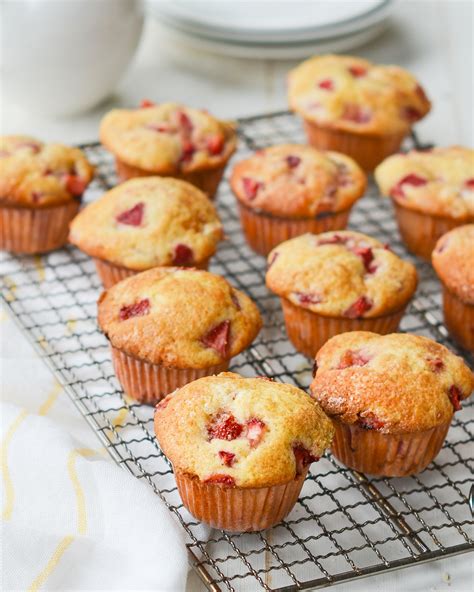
459	319
264	232
238	509
206	180
149	383
36	230
309	331
388	455
420	232
110	274
368	151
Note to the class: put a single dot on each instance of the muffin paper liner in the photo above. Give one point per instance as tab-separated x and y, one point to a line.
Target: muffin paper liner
459	319
206	180
309	331
389	455
110	274
35	230
368	151
264	232
238	509
149	383
420	232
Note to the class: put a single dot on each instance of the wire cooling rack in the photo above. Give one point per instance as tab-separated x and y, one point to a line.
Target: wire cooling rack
345	525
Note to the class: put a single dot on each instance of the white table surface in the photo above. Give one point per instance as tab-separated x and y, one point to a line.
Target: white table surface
433	39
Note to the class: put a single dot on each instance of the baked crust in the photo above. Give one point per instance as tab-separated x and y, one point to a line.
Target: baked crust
395	383
37	175
177	224
453	260
288	418
172	316
296	181
352	94
439	182
168	138
331	272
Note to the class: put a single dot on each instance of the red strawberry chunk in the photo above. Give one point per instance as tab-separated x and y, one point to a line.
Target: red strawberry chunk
36	196
255	430
133	216
251	187
74	184
137	309
315	368
185	122
421	93
411	179
226	480
357	71
358	308
455	397
356	113
353	358
367	256
335	239
293	161
215	144
308	298
183	255
326	84
272	259
188	149
410	114
145	103
227	458
224	426
435	364
470	184
160	127
163	403
35	148
218	338
235	300
370	422
303	458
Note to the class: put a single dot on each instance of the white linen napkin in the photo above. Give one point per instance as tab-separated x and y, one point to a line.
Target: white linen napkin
71	518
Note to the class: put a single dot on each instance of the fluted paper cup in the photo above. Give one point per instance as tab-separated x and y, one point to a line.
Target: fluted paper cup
459	319
388	455
149	383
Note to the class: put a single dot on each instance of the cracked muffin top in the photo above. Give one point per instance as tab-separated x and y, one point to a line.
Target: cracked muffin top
297	181
178	317
168	138
37	175
147	222
396	383
439	182
453	260
352	94
248	432
341	274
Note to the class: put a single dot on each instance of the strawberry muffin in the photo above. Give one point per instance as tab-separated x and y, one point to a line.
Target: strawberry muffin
287	190
145	223
432	192
335	282
169	140
391	399
353	106
453	260
241	448
168	326
40	192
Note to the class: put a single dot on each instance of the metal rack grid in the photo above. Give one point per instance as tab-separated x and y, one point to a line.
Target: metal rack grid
345	525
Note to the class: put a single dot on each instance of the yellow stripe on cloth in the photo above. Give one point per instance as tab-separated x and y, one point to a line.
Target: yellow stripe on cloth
9	490
51	399
40	268
81	519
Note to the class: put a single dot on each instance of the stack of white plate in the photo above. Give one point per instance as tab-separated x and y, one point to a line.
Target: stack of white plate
274	28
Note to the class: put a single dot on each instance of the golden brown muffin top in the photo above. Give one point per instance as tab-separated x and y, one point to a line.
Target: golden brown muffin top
149	221
341	274
396	383
352	94
168	138
439	182
37	175
248	432
297	181
178	317
453	260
